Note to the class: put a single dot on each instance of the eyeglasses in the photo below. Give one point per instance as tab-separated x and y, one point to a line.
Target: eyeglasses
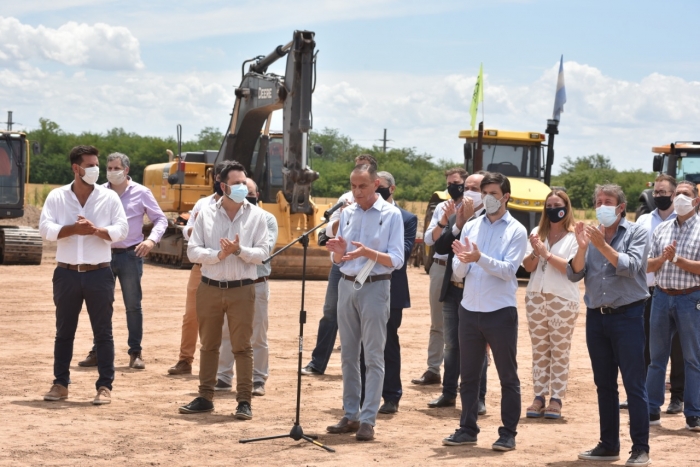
662	193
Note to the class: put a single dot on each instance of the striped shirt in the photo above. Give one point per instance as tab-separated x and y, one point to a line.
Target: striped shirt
687	237
213	224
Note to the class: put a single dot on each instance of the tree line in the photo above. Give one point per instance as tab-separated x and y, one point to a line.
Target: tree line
417	175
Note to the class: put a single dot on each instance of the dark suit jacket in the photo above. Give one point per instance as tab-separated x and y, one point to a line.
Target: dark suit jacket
443	246
400	297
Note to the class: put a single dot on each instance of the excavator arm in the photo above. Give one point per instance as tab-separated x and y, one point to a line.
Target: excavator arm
258	96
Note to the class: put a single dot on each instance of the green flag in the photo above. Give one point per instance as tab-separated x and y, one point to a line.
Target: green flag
478	96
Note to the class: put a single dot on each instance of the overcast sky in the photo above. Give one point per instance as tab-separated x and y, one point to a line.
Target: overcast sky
632	68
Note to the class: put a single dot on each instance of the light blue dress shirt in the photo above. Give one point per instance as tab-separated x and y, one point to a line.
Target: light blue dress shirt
490	283
379	228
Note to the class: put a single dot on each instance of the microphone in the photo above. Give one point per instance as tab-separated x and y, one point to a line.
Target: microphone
330	212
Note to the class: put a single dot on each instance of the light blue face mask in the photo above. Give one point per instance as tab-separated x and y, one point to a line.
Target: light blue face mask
238	192
606	215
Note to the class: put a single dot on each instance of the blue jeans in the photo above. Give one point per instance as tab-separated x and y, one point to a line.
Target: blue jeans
328	326
96	289
450	315
128	268
670	315
617	341
499	329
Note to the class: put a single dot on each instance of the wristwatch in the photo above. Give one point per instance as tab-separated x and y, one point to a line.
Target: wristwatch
442	226
675	258
237	252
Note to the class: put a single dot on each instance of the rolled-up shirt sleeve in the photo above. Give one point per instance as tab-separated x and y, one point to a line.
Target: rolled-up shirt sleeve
196	251
634	257
576	276
48	227
119	228
437	214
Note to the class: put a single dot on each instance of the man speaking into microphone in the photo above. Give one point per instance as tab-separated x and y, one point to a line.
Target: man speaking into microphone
368	247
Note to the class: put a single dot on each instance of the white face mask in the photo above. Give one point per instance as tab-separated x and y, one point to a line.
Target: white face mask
492	204
116	177
364	274
91	175
683	205
475	196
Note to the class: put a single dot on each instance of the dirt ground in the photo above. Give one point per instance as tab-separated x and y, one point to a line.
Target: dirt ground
142	425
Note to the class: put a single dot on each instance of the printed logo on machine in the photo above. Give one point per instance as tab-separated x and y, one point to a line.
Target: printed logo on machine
264	93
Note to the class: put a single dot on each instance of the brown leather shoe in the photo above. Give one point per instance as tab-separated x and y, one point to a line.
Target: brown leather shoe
104	396
90	360
428	378
344	426
56	393
136	362
365	433
183	367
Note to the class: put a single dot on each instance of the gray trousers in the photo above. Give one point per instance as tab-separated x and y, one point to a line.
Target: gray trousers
362	318
436	343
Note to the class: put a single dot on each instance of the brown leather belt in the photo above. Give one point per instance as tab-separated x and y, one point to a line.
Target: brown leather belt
83	267
441	262
260	279
674	292
123	250
370	279
227	284
459	285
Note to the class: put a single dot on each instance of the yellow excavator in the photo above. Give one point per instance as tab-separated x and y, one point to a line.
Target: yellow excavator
520	156
18	245
276	161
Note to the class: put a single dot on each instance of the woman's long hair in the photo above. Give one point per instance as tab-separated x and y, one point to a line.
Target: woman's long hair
568	220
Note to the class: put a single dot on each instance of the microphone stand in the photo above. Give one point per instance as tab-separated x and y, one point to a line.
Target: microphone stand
297	433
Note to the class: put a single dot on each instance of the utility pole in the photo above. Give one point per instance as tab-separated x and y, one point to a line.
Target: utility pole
384	141
9	120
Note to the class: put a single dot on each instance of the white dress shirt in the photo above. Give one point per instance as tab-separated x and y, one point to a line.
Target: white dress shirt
103	208
264	270
428	235
212	225
201	202
490	283
347	198
651	221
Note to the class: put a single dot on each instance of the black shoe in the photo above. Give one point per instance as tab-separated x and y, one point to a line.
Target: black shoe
389	407
638	458
654	419
624	405
599	453
308	370
136	361
222	386
692	423
504	443
244	411
441	401
459	438
482	408
428	378
674	407
199	405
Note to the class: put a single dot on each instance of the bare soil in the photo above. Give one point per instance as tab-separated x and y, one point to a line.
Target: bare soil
142	425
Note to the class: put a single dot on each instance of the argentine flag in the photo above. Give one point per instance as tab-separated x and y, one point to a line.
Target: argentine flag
560	97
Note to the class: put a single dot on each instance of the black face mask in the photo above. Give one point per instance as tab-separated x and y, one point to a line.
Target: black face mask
662	202
252	200
384	192
455	191
555	214
217	188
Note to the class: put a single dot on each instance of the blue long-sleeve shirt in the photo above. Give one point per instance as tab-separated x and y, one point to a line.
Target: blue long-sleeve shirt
615	287
490	283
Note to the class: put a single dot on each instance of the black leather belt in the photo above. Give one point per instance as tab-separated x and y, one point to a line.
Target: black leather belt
83	267
260	279
370	279
123	250
441	262
459	285
227	284
606	310
674	292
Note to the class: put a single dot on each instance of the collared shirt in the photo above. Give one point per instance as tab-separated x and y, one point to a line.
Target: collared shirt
138	200
264	270
687	237
102	208
651	221
546	278
201	202
428	235
490	283
335	217
212	225
616	287
379	228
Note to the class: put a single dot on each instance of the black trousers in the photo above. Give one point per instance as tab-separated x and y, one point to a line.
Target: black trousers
498	329
70	290
677	363
392	389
